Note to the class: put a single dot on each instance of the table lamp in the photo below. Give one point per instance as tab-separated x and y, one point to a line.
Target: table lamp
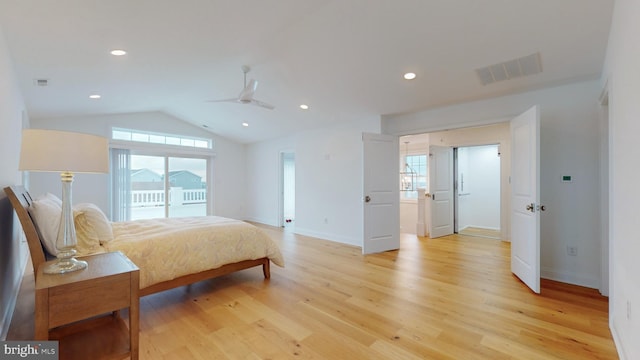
66	153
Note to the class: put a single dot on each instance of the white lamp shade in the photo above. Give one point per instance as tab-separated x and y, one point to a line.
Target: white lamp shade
62	151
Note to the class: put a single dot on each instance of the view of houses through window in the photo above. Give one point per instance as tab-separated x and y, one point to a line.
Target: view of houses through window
163	186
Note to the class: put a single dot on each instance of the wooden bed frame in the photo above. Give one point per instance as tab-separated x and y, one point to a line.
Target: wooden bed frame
21	200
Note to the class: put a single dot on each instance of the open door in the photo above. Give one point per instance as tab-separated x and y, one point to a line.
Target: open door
525	198
287	209
381	193
441	190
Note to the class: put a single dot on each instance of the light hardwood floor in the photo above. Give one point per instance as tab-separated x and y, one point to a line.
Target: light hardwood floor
474	231
447	298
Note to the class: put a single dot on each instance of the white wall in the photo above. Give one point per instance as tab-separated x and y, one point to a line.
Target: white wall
569	146
229	178
623	76
328	180
13	251
263	170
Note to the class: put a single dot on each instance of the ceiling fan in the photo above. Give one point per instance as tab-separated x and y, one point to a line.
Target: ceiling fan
246	95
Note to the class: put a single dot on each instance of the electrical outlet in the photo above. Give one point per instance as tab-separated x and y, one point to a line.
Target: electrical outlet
572	250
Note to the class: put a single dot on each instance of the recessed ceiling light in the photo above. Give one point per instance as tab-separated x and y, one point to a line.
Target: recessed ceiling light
410	76
118	52
94	96
245	124
304	107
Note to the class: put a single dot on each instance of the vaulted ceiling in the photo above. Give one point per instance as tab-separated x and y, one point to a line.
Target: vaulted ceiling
344	58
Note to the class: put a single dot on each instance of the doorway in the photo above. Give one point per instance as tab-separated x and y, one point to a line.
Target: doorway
492	141
288	189
477	191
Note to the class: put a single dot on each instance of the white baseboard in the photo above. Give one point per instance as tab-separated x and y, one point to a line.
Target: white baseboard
570	278
329	236
316	234
261	221
482	227
616	340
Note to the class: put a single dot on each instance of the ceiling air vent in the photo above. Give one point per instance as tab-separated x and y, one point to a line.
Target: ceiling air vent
40	82
524	66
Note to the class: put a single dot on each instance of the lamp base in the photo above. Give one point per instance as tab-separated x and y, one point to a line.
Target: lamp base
63	266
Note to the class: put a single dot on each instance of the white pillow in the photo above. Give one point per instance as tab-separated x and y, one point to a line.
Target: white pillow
88	241
92	225
45	212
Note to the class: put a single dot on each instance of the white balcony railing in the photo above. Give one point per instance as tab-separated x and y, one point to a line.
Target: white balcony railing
149	204
177	196
144	198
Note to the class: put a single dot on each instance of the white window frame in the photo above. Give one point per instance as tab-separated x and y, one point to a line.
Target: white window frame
152	149
403	161
158	138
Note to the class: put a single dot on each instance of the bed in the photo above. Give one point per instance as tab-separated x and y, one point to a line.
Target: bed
169	252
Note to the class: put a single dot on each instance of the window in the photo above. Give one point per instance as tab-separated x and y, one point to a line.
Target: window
161	175
160	186
415	164
159	138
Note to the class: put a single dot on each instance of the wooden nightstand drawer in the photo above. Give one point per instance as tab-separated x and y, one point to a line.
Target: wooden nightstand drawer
98	296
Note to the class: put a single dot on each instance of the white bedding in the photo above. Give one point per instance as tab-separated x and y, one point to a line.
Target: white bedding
164	249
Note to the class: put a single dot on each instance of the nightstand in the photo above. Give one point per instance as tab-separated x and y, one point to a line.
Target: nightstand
82	309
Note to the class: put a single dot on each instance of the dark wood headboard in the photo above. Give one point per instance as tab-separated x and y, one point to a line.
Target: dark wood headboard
21	200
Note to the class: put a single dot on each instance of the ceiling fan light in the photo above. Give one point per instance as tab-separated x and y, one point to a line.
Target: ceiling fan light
94	96
304	107
118	52
245	124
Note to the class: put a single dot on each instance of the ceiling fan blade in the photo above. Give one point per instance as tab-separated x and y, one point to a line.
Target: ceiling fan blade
262	104
224	100
247	93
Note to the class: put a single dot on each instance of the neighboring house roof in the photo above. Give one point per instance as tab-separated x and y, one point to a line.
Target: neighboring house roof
137	172
173	174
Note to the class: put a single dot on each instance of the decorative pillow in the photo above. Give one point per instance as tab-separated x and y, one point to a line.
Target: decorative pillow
92	226
88	241
45	212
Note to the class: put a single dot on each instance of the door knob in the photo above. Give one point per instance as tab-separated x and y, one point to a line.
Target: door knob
542	207
367	198
531	207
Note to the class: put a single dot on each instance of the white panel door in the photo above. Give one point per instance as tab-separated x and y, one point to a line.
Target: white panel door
381	196
525	198
441	189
